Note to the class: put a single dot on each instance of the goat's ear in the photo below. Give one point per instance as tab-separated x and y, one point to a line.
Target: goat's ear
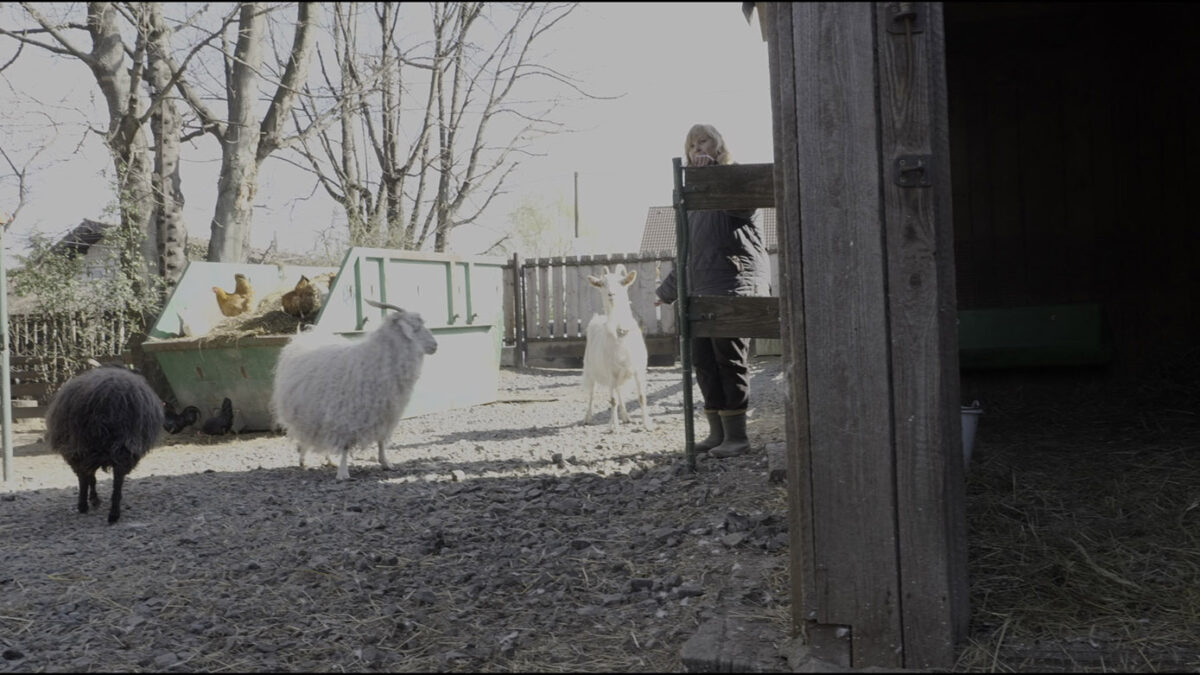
629	278
406	327
595	281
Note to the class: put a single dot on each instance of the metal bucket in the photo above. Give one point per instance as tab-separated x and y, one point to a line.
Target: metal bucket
970	420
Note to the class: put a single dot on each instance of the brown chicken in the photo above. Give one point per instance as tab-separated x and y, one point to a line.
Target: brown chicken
301	301
239	300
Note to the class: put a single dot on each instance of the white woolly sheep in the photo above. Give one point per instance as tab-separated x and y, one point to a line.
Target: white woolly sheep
616	350
106	418
336	394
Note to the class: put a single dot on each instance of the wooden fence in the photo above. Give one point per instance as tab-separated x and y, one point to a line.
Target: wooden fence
44	352
548	303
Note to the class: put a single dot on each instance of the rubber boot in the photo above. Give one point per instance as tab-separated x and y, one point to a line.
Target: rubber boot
735	442
716	433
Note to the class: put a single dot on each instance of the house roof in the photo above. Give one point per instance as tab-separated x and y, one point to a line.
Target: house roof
80	239
659	231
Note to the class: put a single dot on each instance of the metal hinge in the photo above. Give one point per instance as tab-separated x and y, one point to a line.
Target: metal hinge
914	170
904	17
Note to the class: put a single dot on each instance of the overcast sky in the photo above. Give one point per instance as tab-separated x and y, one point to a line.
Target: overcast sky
675	64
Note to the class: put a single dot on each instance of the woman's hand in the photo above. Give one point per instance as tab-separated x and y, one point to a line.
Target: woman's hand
703	160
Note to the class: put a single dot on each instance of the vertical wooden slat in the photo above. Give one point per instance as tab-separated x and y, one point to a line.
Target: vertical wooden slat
845	328
639	299
571	288
529	288
558	320
665	263
511	272
919	252
519	320
782	59
592	304
543	315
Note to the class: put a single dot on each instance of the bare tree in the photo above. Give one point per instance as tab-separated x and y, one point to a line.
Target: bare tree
462	136
148	192
246	141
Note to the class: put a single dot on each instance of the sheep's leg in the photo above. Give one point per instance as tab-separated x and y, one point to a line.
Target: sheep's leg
95	496
343	472
114	508
383	458
83	492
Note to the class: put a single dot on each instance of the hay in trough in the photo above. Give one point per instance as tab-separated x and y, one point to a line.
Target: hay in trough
1083	511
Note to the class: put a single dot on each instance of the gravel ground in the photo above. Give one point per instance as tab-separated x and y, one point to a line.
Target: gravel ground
507	537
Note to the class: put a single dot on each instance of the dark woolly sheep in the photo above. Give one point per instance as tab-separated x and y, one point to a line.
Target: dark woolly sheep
107	418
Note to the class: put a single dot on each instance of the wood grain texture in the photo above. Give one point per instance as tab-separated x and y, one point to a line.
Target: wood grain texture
842	263
919	253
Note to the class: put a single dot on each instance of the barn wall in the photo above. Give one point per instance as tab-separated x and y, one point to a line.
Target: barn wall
1075	151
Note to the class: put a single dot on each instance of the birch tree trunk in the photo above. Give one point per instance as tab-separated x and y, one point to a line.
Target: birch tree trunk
166	125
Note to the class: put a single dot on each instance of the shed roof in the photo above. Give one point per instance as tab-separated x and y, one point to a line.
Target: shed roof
659	231
83	237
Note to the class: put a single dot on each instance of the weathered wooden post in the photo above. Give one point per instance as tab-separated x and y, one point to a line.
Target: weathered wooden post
518	312
5	386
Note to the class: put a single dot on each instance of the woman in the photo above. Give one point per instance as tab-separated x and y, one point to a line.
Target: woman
726	257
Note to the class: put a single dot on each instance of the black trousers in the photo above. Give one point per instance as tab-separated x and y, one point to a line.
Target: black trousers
723	372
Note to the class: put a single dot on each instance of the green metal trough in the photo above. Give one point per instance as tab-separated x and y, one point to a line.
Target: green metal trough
459	297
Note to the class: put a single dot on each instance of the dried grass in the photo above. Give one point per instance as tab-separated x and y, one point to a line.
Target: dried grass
1083	508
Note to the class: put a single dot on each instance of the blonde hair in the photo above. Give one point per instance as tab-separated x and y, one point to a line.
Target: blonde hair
723	154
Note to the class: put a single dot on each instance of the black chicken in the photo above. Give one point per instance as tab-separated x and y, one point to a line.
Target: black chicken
176	422
222	423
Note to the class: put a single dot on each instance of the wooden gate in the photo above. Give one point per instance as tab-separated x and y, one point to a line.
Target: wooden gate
551	303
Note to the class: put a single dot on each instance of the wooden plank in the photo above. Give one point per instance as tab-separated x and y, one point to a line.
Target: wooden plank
1041	157
641	295
845	327
666	313
550	349
558	320
571	283
919	255
29	412
31	389
1005	258
529	271
543	306
731	186
509	300
734	316
801	545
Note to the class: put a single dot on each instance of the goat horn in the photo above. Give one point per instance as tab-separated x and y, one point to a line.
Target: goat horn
383	305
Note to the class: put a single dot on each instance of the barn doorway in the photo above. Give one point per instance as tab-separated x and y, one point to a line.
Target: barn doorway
1074	146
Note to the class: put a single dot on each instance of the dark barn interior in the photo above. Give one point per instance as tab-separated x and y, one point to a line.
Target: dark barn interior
1075	154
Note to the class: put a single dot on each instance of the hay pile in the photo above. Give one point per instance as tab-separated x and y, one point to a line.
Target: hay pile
1083	509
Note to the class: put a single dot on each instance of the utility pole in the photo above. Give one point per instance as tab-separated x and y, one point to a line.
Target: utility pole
576	204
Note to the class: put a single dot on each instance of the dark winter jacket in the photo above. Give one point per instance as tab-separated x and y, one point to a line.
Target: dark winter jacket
726	256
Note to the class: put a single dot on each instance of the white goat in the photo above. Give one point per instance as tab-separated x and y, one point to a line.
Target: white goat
615	350
336	394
